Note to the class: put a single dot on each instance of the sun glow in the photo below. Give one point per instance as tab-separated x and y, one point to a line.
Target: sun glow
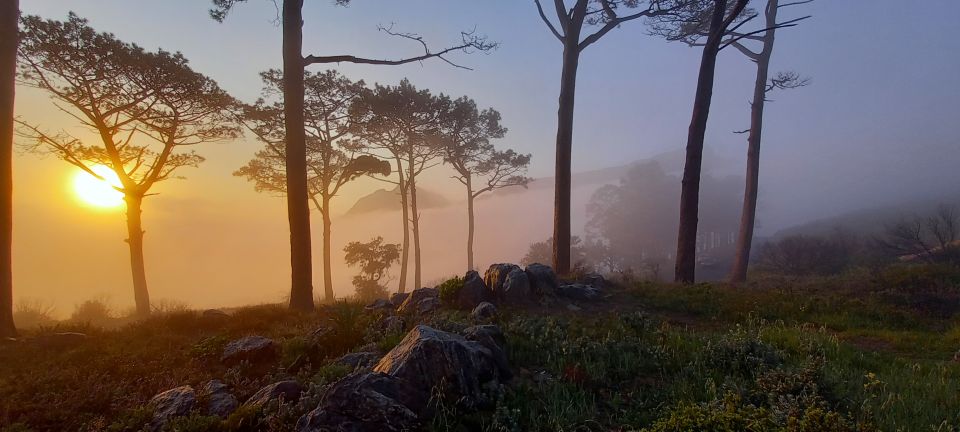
97	192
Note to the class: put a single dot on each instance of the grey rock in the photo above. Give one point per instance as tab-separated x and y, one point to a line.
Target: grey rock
173	403
595	280
491	337
397	299
379	304
496	276
420	301
426	357
392	324
215	314
543	280
484	312
254	349
578	291
516	288
474	291
370	402
359	360
574	308
220	402
286	391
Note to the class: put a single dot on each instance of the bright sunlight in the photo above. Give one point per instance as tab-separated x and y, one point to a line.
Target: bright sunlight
97	192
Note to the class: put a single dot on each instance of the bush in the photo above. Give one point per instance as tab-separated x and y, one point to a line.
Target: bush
93	312
450	289
801	255
33	313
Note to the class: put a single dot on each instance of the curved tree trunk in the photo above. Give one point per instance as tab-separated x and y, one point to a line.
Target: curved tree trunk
135	241
561	201
470	225
405	250
328	295
298	207
690	189
9	12
415	216
748	215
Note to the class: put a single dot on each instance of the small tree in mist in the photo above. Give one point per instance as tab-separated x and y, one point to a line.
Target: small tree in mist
297	187
402	123
374	259
9	37
932	238
714	18
605	15
542	251
146	109
481	168
801	255
330	166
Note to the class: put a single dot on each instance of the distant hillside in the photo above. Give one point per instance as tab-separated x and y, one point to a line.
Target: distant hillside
386	200
869	221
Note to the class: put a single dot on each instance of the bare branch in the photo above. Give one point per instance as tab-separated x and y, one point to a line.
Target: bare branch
546	20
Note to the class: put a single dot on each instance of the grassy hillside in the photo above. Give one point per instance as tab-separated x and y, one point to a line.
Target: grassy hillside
868	350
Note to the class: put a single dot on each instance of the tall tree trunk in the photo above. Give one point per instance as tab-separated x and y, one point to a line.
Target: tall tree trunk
405	251
415	216
748	215
327	267
469	224
9	12
135	241
561	201
298	207
690	189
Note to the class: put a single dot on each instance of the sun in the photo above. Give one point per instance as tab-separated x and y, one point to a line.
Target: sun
97	192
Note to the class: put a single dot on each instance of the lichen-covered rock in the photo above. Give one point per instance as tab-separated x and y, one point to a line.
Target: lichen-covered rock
219	401
578	291
254	349
287	391
173	403
496	276
369	402
359	360
421	301
427	358
473	292
516	287
397	299
484	312
543	280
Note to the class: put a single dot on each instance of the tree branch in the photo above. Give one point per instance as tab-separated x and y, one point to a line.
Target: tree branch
543	16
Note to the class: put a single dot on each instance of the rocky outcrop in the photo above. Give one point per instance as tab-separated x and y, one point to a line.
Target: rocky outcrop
173	403
543	280
516	288
420	302
285	391
473	292
254	349
394	397
219	401
359	360
579	291
397	299
392	324
496	276
484	312
379	304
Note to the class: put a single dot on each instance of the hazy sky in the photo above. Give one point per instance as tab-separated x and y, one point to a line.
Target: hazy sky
879	123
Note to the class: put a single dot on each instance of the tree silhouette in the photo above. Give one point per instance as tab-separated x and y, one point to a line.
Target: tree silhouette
326	105
374	258
481	168
298	208
146	108
605	14
762	87
403	122
9	15
715	18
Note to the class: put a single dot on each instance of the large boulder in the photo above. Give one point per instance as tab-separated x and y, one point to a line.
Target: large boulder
473	292
379	304
421	301
496	276
286	391
173	403
427	358
219	401
578	291
369	402
595	280
543	280
254	349
392	324
359	360
516	288
397	299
